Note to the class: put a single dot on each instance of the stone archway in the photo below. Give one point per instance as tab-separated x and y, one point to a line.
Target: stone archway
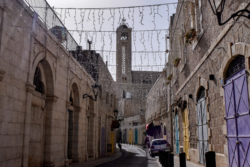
40	133
91	130
73	145
236	97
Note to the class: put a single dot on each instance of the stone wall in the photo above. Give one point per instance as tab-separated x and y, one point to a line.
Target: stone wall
205	56
46	124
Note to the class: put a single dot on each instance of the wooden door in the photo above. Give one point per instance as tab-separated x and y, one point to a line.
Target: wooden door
238	120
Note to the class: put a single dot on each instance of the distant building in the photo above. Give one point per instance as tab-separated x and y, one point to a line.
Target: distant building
133	86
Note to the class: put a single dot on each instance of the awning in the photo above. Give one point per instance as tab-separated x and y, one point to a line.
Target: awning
149	126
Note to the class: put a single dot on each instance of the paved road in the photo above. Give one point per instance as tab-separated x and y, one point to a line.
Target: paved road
132	157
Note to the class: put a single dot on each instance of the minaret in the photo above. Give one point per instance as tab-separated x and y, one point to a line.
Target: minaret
123	53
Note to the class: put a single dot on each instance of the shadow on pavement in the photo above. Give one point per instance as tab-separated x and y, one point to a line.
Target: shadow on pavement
131	159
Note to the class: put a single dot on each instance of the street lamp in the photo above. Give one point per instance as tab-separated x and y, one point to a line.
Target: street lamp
95	89
218	12
116	113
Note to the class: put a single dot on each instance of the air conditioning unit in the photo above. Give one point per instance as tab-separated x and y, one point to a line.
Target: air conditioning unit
128	96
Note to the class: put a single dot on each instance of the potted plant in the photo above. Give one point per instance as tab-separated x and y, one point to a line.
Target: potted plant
190	35
177	61
170	77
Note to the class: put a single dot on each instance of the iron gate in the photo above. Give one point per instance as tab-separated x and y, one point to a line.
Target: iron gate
238	120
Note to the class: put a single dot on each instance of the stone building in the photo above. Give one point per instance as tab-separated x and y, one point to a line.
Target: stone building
209	89
133	88
157	108
45	121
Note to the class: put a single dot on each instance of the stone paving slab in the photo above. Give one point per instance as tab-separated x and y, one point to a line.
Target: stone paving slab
188	163
99	161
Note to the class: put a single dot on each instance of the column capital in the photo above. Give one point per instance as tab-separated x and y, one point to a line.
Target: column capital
77	109
68	103
51	98
2	73
30	87
90	114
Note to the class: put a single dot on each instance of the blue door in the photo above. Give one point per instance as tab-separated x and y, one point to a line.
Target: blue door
176	123
136	136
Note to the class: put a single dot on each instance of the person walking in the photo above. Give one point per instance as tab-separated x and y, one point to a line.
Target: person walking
120	146
147	145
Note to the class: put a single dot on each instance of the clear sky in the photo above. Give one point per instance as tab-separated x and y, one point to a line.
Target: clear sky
81	20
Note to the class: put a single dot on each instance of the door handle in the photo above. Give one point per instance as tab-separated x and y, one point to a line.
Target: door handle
238	142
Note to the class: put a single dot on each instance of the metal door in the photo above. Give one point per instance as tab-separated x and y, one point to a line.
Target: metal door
238	120
186	133
136	136
177	134
103	142
202	129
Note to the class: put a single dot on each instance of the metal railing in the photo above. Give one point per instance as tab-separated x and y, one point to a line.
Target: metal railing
49	17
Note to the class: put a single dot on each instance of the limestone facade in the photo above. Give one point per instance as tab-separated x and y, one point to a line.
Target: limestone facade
203	66
45	121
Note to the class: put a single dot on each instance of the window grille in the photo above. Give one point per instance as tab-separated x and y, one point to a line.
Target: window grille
235	66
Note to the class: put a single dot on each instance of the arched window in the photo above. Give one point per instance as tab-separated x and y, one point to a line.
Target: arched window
71	99
38	81
201	93
235	66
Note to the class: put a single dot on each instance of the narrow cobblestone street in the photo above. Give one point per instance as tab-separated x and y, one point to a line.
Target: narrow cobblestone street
132	157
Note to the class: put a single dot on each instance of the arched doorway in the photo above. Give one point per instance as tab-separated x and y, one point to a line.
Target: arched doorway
176	125
202	125
237	113
186	132
73	123
41	115
37	122
136	136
